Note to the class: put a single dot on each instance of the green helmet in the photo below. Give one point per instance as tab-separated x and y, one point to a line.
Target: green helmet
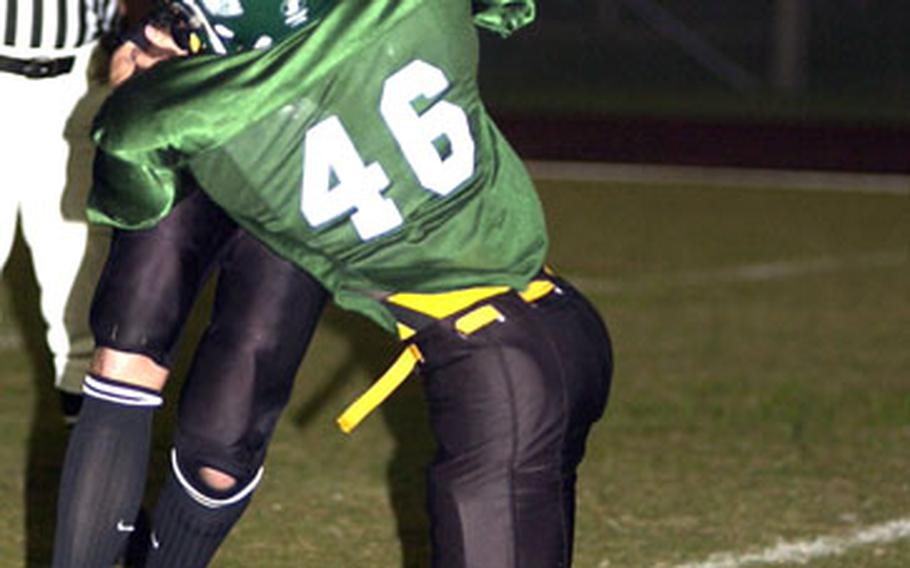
231	26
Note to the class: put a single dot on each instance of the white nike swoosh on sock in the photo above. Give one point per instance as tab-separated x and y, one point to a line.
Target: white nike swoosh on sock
123	527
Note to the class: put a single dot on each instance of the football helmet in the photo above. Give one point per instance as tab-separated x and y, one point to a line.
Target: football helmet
231	26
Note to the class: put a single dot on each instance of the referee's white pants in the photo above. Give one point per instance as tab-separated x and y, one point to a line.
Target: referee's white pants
45	174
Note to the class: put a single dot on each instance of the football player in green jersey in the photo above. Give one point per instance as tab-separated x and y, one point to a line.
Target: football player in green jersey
242	371
360	150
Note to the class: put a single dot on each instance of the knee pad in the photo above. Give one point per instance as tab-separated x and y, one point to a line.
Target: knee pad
187	474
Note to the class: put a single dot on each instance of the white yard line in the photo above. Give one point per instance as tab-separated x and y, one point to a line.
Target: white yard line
758	272
889	184
734	177
805	551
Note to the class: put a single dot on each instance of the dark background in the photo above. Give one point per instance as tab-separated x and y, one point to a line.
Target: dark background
806	84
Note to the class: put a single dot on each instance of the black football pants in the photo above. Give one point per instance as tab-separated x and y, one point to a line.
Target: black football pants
264	315
511	407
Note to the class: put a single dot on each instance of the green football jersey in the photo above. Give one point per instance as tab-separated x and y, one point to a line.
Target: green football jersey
359	149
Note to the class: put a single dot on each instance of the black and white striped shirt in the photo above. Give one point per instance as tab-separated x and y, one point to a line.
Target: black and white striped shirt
52	25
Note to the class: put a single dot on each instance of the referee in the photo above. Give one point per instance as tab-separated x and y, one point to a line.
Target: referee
49	93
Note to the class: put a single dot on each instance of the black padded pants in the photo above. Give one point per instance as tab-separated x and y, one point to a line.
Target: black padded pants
511	407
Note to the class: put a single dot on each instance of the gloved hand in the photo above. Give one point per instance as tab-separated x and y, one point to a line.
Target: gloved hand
140	53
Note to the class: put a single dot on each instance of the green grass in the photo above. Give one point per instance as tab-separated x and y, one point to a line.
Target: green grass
746	411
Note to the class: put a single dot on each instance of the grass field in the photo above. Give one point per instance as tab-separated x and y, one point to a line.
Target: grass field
760	414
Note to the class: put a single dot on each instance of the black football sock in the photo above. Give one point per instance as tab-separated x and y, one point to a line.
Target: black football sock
189	523
104	473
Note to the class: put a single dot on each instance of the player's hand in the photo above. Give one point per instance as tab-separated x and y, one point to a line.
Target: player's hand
130	58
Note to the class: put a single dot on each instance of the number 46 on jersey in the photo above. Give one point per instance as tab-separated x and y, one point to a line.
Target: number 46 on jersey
336	181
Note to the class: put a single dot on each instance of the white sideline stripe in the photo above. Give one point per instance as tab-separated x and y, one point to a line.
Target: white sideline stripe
730	275
890	184
760	272
805	551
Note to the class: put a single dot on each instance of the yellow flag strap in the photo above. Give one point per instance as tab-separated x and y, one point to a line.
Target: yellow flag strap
536	290
380	390
475	320
438	306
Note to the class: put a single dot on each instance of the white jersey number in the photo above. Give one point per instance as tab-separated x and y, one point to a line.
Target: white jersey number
436	144
355	187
